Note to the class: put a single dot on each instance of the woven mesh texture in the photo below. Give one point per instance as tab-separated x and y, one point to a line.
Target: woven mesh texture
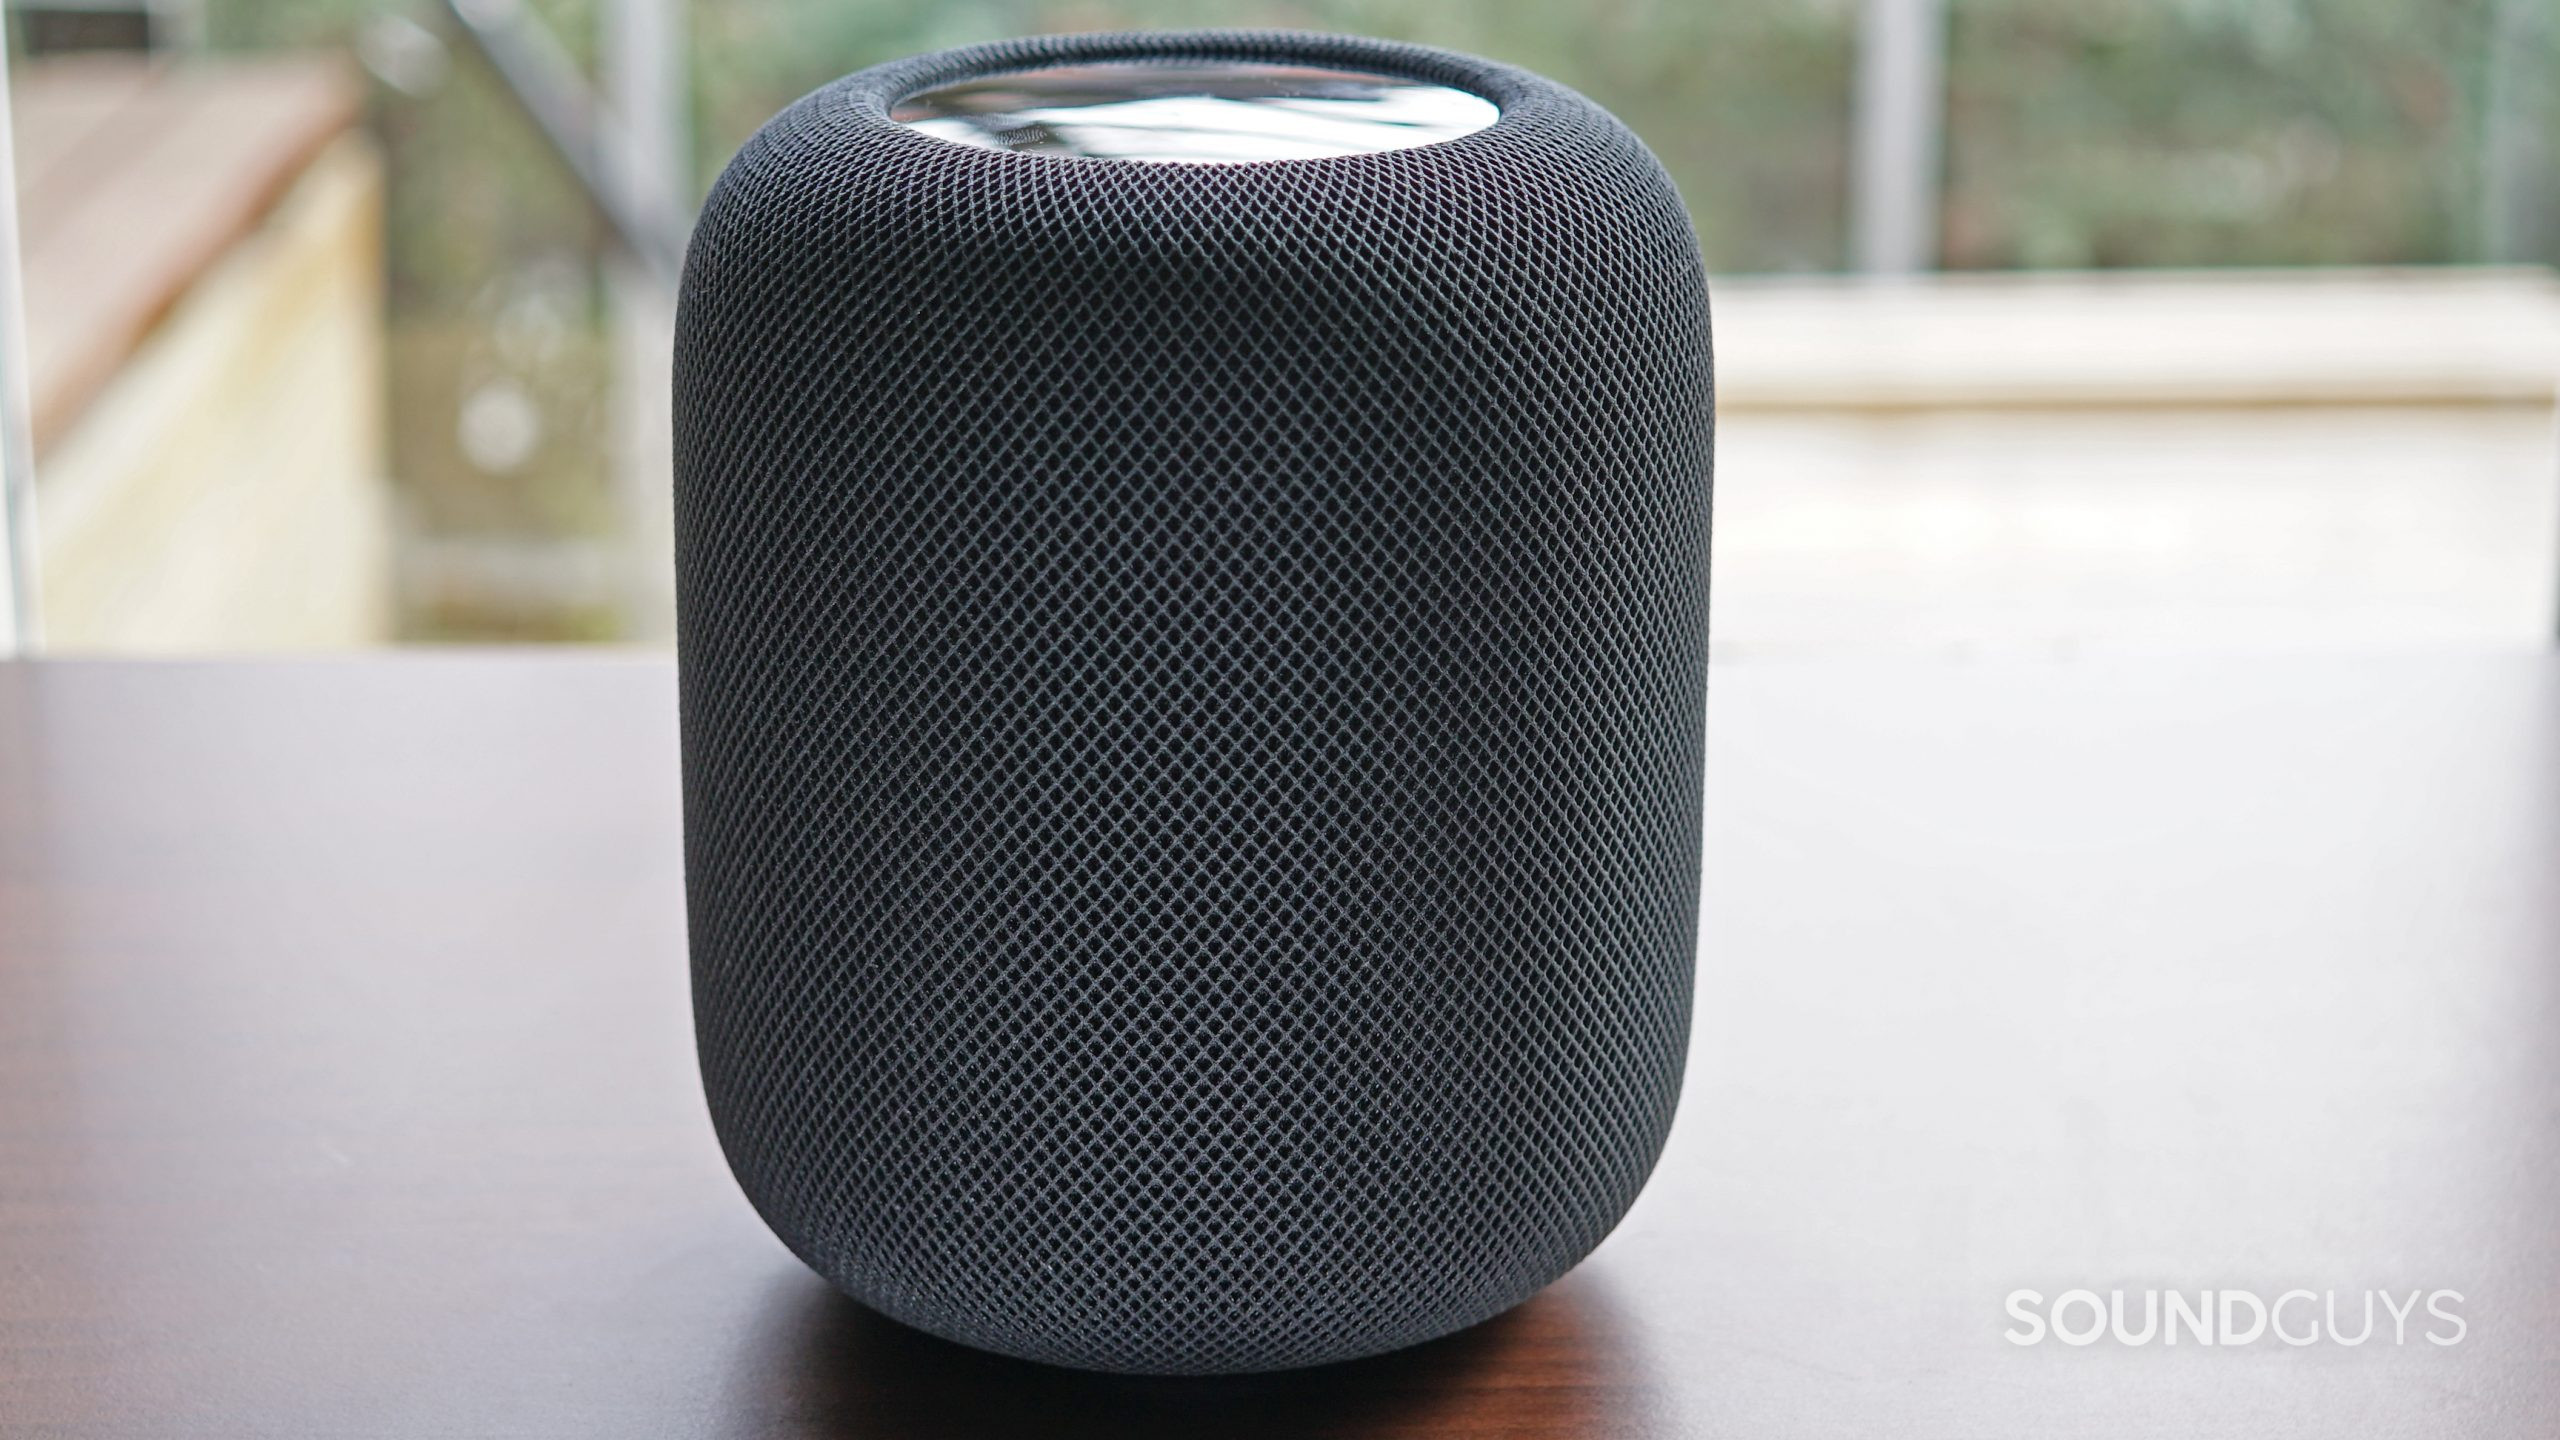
1193	680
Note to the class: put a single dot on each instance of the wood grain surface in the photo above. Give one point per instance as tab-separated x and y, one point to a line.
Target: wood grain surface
346	1084
134	177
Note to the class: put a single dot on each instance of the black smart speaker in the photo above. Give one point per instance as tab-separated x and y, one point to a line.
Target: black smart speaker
1193	574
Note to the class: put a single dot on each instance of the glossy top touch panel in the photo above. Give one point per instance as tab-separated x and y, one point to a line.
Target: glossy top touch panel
1221	113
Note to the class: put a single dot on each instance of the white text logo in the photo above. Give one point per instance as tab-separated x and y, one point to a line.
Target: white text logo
2236	1317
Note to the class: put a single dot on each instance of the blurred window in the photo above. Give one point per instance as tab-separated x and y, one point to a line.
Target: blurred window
347	320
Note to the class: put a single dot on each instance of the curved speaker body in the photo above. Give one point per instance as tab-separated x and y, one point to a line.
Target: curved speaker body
1193	680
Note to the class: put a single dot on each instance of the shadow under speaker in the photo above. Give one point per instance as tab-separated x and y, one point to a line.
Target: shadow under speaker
1193	575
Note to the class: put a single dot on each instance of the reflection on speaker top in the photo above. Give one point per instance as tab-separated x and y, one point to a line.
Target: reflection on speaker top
1195	114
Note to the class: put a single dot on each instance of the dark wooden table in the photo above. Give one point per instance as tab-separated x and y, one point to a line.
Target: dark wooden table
346	1084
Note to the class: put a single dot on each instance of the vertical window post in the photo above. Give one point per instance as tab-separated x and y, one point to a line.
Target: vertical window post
2516	219
18	619
1901	108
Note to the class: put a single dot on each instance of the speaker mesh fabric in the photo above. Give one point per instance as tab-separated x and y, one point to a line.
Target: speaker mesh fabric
1193	681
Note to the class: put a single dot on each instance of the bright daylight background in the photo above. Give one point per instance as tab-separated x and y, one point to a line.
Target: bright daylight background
2043	325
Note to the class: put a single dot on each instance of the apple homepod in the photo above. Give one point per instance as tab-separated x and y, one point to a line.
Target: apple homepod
1193	576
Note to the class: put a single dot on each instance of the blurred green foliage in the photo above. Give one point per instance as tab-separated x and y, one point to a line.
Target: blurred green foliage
2080	132
2215	132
